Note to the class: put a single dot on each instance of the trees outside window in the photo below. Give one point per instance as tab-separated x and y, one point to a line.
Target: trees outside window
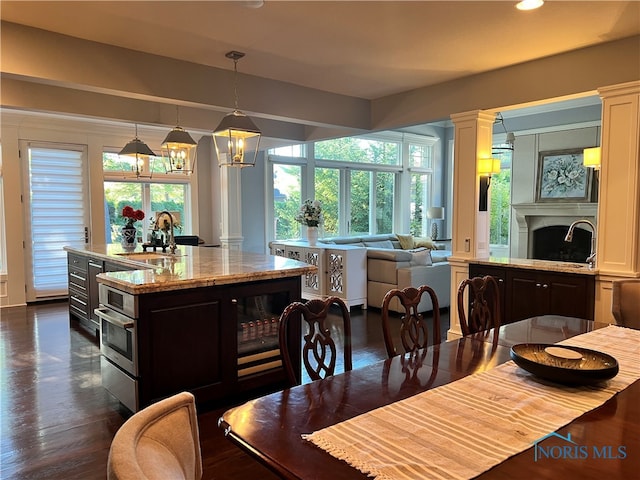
356	179
156	194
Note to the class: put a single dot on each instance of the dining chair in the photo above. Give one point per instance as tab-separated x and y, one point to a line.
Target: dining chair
319	353
414	330
483	304
160	441
625	302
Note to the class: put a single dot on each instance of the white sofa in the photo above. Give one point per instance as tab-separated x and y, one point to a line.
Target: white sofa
389	268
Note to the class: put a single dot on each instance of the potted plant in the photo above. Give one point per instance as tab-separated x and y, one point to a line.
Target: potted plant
310	215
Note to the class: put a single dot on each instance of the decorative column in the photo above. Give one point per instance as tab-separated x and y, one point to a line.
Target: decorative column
470	234
230	208
618	235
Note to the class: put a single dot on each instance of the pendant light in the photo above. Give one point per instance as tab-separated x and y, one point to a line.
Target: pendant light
237	138
507	146
141	155
179	150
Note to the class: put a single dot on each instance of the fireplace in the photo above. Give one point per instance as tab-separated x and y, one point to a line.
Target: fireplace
548	244
543	226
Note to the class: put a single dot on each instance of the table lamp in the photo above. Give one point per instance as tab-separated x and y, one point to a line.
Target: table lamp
435	213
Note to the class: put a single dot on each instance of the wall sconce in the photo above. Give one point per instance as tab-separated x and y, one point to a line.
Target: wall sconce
592	157
179	151
435	213
486	167
237	138
142	156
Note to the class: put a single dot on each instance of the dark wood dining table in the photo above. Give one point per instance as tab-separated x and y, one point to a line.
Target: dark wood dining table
270	428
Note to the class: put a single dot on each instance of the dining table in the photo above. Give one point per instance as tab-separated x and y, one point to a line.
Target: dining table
354	425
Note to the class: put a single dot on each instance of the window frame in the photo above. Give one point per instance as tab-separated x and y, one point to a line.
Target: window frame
403	171
190	218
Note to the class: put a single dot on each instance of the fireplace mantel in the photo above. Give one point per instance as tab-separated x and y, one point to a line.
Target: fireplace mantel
531	216
581	210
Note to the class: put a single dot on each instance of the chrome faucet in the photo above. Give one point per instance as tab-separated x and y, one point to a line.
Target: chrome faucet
171	240
591	260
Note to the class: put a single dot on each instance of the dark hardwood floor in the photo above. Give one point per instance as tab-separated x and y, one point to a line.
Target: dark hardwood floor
57	422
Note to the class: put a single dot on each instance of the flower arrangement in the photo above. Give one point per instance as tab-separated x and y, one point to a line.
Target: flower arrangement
310	213
131	216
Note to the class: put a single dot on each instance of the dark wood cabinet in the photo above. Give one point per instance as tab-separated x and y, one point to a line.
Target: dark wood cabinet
529	293
78	278
195	340
83	288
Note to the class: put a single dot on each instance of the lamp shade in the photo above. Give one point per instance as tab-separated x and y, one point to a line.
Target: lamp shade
591	157
142	157
488	166
136	147
435	213
178	150
237	140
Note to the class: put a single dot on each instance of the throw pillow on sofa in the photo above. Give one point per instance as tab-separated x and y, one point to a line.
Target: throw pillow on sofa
421	256
406	241
424	242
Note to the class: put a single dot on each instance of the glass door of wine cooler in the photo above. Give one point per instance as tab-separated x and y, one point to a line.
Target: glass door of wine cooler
258	325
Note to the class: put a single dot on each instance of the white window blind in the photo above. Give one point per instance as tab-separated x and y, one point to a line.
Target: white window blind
57	216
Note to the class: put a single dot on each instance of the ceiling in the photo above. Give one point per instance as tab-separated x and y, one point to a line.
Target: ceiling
359	48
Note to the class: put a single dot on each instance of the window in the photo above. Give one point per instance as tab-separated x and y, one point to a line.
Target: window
327	188
420	194
358	180
500	207
161	192
287	198
421	188
359	150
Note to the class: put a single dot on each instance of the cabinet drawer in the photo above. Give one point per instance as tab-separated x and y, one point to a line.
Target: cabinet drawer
77	278
77	261
78	303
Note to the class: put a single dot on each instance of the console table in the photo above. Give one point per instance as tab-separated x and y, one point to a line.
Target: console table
342	270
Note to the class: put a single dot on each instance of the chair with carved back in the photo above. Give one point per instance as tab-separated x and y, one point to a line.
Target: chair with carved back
319	353
625	302
483	304
414	329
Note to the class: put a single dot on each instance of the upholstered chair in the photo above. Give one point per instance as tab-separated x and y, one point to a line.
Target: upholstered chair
160	442
625	302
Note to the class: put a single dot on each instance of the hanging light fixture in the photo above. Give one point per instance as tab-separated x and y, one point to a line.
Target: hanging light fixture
179	150
141	155
237	138
507	146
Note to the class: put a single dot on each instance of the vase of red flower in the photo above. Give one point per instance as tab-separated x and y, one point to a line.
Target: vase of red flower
129	232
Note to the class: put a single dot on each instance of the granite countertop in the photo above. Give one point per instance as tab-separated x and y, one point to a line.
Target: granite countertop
531	264
190	267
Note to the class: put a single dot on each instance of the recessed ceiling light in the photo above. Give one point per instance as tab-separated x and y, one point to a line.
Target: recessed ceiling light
529	4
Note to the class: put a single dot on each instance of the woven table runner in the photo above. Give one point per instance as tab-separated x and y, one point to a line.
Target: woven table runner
464	428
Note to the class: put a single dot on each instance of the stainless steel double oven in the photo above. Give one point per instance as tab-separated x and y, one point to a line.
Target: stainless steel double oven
118	314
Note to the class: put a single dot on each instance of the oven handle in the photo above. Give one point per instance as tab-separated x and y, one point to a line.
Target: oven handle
102	313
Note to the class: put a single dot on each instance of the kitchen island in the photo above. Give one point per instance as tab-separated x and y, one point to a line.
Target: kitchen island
203	320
